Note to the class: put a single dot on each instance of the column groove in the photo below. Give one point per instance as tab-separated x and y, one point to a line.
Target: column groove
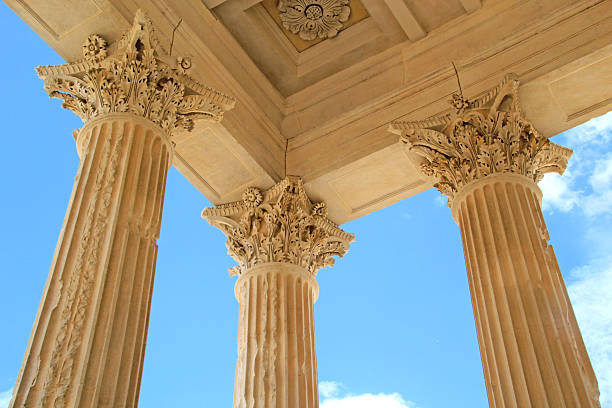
88	340
280	242
497	221
261	286
488	158
95	289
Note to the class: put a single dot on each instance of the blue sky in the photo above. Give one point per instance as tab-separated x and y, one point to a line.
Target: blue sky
394	323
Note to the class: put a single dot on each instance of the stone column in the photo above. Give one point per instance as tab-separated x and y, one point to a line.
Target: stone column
487	159
88	341
280	240
277	364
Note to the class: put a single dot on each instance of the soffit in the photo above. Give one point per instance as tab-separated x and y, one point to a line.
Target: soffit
238	158
292	63
333	132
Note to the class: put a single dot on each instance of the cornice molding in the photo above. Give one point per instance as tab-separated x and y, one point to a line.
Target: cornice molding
479	138
279	225
385	66
136	76
362	131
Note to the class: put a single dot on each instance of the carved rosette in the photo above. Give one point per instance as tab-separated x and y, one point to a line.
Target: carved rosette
482	137
279	225
314	18
134	76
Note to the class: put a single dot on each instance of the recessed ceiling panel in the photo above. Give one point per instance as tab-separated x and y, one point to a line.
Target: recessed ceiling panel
308	22
59	23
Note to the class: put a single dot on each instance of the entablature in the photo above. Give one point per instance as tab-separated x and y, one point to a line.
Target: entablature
322	113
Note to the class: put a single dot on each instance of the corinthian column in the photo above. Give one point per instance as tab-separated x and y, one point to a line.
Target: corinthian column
487	159
87	345
280	240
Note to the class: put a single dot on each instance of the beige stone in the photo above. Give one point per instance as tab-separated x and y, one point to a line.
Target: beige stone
297	110
277	362
318	108
280	240
88	342
532	351
87	346
487	158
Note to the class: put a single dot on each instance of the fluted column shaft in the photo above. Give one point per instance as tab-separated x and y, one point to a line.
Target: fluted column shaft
88	341
277	365
532	352
280	240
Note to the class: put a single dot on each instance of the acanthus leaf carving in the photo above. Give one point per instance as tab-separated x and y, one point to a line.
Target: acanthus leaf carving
312	19
279	225
481	137
139	77
80	283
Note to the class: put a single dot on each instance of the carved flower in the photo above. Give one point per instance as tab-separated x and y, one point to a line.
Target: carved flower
94	48
183	64
314	18
459	102
319	209
252	197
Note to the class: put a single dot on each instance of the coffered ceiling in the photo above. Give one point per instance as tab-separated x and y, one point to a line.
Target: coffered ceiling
317	82
293	61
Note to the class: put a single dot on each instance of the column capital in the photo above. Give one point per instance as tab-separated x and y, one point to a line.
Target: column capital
481	137
279	225
135	75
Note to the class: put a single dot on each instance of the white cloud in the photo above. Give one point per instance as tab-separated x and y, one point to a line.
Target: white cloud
586	190
5	398
440	201
598	204
595	131
330	390
368	401
557	193
600	201
587	184
592	302
602	176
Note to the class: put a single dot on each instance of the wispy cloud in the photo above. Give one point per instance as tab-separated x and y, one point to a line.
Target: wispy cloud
330	398
5	398
585	191
590	296
587	184
440	200
558	193
329	389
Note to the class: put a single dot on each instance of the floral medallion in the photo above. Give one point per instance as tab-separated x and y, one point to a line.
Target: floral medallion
312	19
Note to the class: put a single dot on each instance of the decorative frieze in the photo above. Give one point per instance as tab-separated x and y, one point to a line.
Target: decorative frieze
481	137
136	75
279	225
312	19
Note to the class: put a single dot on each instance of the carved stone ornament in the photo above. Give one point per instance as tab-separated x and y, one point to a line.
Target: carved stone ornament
484	136
279	225
314	18
136	75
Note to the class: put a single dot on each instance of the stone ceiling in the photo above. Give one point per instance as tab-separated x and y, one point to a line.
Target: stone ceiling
276	34
315	99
